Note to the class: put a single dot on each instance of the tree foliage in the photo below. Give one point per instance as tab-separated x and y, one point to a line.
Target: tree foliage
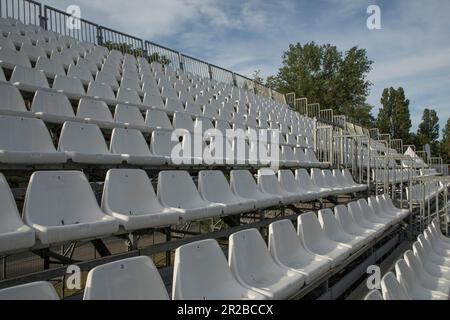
428	132
323	74
445	143
127	48
394	117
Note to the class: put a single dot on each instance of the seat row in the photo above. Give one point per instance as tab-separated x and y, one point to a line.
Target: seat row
61	206
54	107
254	270
423	273
28	141
424	192
68	87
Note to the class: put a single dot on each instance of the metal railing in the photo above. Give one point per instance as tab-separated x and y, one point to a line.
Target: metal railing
27	11
50	18
125	42
195	66
61	22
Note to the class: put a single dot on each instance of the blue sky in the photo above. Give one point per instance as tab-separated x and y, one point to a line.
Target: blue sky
411	50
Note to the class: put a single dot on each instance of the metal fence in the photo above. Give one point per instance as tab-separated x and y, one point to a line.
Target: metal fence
222	75
121	41
27	11
32	12
195	66
163	55
63	23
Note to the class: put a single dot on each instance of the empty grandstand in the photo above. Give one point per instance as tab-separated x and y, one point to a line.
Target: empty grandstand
156	175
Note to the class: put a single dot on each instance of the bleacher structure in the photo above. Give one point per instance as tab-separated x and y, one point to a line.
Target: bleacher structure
88	178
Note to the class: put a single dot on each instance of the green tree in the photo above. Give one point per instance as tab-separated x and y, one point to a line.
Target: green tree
256	76
323	74
428	131
445	143
394	117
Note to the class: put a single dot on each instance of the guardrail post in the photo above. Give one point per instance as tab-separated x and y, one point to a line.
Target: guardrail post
180	61
210	72
43	17
99	36
234	80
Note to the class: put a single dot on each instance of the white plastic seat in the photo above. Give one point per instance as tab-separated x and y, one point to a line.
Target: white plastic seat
243	184
12	102
301	158
268	183
157	119
49	67
431	254
314	240
32	52
359	217
7	43
71	87
333	230
173	105
380	212
319	179
28	79
438	247
183	120
153	101
437	270
10	58
288	251
193	109
95	112
177	190
426	279
370	215
84	143
128	96
374	295
14	234
392	289
27	141
129	279
313	159
131	118
61	206
101	91
128	196
339	180
350	226
80	72
131	144
414	289
214	187
50	48
161	144
86	63
40	290
387	204
254	268
348	178
289	183
107	78
288	157
304	180
437	232
131	82
52	107
201	272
